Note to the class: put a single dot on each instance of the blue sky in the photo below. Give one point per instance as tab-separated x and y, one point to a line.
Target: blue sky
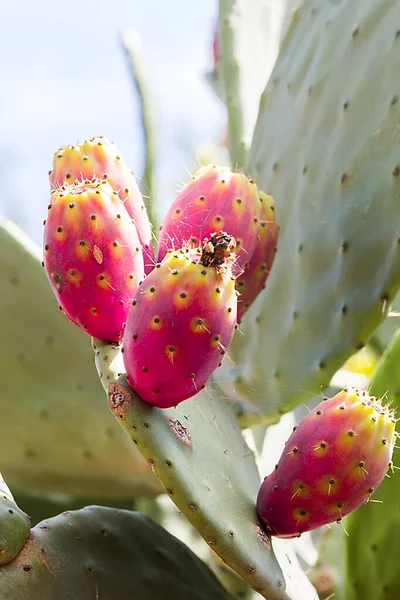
65	78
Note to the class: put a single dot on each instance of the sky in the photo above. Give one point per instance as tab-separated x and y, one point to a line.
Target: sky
65	78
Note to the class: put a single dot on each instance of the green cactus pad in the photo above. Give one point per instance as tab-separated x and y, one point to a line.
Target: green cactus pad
373	544
327	147
14	525
198	453
104	553
55	432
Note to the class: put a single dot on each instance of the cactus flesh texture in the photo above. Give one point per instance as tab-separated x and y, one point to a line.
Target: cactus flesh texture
333	461
92	257
100	158
181	321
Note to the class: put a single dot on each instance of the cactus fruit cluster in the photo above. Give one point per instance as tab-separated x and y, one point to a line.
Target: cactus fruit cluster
268	275
176	319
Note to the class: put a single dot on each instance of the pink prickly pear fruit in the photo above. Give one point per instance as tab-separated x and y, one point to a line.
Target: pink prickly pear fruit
181	322
250	283
216	199
333	461
101	159
92	257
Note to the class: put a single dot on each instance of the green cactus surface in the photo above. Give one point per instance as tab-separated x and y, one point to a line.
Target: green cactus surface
50	396
373	544
14	525
245	64
104	553
199	454
327	146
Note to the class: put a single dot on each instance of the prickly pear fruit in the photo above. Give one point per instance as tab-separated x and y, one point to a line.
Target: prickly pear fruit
250	283
333	461
181	321
92	257
216	199
102	159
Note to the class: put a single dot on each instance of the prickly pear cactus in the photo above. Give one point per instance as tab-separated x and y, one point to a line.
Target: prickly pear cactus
14	525
372	572
100	158
100	552
92	256
56	434
181	321
332	463
198	453
326	144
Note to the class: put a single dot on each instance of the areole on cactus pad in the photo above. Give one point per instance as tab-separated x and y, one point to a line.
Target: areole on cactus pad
100	158
181	321
215	199
332	463
92	256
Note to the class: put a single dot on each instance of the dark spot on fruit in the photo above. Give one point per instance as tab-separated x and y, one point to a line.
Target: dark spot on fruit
331	481
102	277
182	295
82	243
203	272
350	433
156	320
59	229
135	336
295	450
144	369
319	412
218	290
192	375
361	464
322	445
168	463
152	289
175	272
46	247
134	302
303	512
93	310
202	198
275	488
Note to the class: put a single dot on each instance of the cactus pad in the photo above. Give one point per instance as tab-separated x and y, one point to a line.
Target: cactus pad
50	396
198	453
326	146
100	552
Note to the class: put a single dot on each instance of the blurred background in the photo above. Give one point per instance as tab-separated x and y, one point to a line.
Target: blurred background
65	77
